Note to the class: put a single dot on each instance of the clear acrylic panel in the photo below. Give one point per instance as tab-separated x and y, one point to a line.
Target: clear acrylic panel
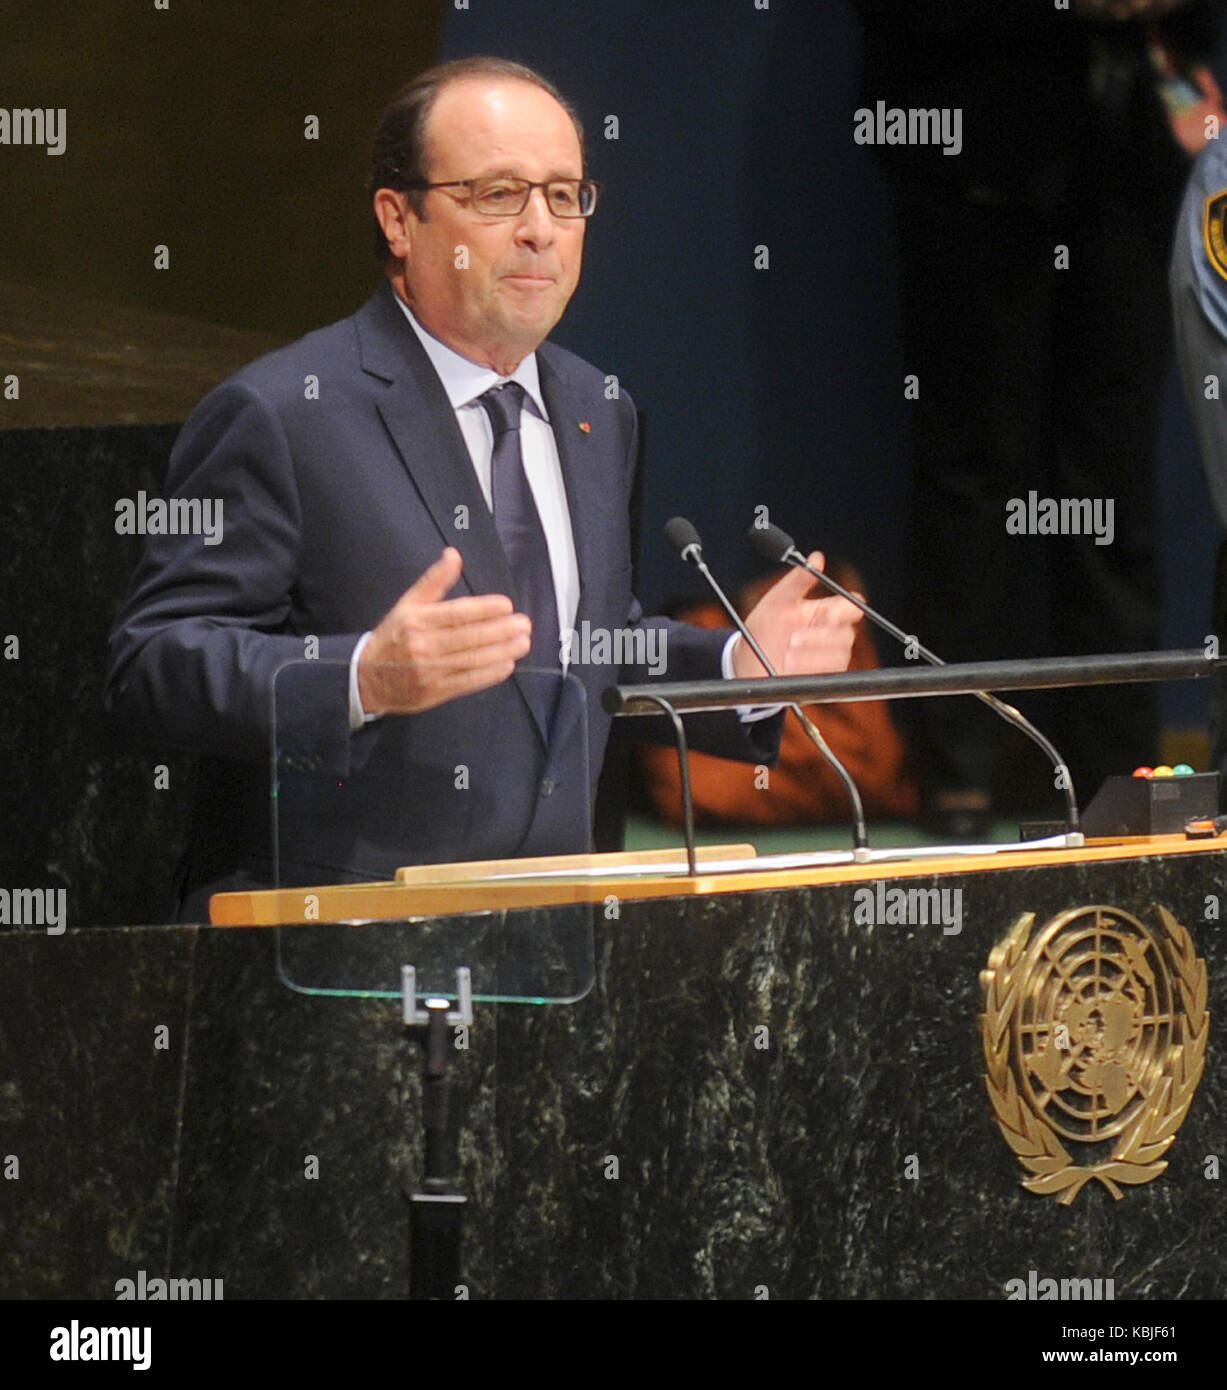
361	822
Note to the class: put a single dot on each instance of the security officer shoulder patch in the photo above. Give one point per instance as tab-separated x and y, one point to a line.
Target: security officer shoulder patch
1214	232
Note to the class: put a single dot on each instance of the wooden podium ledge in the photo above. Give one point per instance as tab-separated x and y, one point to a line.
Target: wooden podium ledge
433	890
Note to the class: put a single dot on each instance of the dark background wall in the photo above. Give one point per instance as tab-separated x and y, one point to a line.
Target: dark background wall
779	387
776	386
186	127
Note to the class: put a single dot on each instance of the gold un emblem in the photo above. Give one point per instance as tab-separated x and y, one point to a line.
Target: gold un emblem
1094	1032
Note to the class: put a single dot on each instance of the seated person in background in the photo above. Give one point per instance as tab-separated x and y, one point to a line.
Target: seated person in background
802	788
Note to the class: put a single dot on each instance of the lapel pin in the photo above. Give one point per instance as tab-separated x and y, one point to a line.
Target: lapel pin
585	426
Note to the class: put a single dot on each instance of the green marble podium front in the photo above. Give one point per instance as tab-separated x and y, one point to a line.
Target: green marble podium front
764	1093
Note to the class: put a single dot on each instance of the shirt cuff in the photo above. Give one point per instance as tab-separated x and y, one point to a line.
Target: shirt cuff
357	715
748	714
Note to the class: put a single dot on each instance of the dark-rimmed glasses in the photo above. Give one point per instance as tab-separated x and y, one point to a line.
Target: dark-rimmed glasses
502	197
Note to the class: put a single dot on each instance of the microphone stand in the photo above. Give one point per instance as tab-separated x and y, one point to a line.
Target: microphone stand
692	552
790	555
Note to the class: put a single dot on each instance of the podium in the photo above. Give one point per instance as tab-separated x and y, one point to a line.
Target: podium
769	1087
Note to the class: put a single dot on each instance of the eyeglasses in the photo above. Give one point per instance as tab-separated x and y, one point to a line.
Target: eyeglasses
498	197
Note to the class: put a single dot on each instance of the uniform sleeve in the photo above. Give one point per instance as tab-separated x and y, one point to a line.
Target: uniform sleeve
1198	283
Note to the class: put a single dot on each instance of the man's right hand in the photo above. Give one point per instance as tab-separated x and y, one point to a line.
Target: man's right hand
429	649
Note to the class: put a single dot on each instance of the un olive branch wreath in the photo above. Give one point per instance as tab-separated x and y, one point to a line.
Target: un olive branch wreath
1137	1157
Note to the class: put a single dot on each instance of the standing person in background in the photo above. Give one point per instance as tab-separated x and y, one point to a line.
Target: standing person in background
1034	315
1199	309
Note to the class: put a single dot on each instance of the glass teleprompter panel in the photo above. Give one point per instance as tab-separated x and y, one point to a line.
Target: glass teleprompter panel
455	836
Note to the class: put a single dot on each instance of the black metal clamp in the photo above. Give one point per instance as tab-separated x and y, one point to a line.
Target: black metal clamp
436	1223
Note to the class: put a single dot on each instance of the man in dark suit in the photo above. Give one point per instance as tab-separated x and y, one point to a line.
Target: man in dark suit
433	444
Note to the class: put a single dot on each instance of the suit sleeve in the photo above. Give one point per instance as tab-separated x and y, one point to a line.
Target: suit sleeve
206	642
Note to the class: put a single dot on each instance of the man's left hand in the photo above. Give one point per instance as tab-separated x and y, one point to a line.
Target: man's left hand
800	635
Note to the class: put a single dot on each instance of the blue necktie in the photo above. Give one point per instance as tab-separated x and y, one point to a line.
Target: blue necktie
519	528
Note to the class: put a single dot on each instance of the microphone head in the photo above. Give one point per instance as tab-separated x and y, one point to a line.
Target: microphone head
681	535
772	542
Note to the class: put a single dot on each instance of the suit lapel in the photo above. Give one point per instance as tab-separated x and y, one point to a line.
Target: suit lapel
420	419
422	423
587	500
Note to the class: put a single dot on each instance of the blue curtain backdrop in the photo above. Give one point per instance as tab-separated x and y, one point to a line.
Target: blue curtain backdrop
778	386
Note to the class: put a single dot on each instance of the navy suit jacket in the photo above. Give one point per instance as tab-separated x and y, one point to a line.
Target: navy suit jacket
332	507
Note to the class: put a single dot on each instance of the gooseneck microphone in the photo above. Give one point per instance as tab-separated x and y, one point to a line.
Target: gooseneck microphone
776	545
683	537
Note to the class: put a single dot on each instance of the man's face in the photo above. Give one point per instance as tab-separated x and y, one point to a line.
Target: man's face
521	271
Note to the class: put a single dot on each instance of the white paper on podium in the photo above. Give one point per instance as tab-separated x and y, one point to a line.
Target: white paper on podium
827	858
